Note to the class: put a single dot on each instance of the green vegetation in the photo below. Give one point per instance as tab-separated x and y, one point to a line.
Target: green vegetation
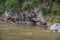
26	5
53	18
14	6
56	10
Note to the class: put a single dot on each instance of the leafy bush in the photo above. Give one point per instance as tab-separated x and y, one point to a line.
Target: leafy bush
56	10
52	18
1	9
45	11
25	5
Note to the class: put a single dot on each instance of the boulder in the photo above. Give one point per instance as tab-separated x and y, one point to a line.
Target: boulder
55	27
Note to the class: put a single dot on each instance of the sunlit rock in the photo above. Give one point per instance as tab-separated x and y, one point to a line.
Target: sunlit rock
55	27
